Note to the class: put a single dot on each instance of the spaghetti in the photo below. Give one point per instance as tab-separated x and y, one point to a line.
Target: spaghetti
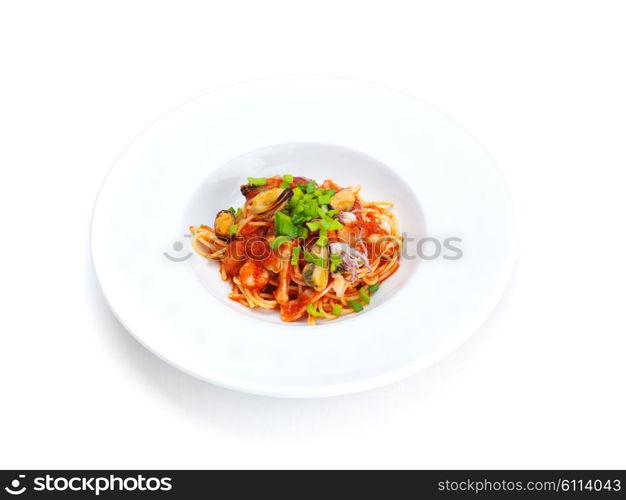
304	249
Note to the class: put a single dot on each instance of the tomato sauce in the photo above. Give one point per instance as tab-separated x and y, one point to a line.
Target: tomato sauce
295	309
235	257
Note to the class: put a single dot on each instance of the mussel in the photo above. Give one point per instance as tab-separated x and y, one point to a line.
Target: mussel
317	276
223	222
250	191
270	201
344	200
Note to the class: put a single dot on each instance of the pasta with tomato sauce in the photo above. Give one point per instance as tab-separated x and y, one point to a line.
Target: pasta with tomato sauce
307	250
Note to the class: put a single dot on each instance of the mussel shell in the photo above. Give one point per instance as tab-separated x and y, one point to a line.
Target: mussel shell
223	221
250	191
269	201
315	276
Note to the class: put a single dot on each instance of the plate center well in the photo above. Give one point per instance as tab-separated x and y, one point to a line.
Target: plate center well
319	162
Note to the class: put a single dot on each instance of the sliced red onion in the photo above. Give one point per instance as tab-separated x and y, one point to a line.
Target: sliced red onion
352	258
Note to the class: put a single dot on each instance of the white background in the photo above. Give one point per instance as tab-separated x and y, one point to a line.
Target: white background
541	84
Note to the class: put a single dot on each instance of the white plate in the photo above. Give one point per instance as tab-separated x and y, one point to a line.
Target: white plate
190	164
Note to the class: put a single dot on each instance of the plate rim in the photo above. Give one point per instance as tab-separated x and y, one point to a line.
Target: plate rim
363	384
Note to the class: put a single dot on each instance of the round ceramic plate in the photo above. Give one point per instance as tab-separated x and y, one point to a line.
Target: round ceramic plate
450	201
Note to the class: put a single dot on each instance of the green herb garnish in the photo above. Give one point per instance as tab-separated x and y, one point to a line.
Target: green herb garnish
322	241
284	226
278	241
335	261
355	305
324	199
307	211
333	224
298	219
364	295
313	226
295	199
313	312
257	181
374	288
295	255
311	207
315	259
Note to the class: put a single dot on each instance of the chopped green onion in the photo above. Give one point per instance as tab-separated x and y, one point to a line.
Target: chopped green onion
295	255
301	207
374	288
313	226
257	181
310	187
311	208
278	241
323	200
303	232
335	261
322	241
298	218
355	305
295	199
313	312
364	295
333	224
288	178
238	213
284	226
231	210
310	257
336	310
233	229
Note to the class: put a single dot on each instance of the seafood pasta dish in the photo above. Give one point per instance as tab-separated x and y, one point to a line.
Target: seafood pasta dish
306	250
